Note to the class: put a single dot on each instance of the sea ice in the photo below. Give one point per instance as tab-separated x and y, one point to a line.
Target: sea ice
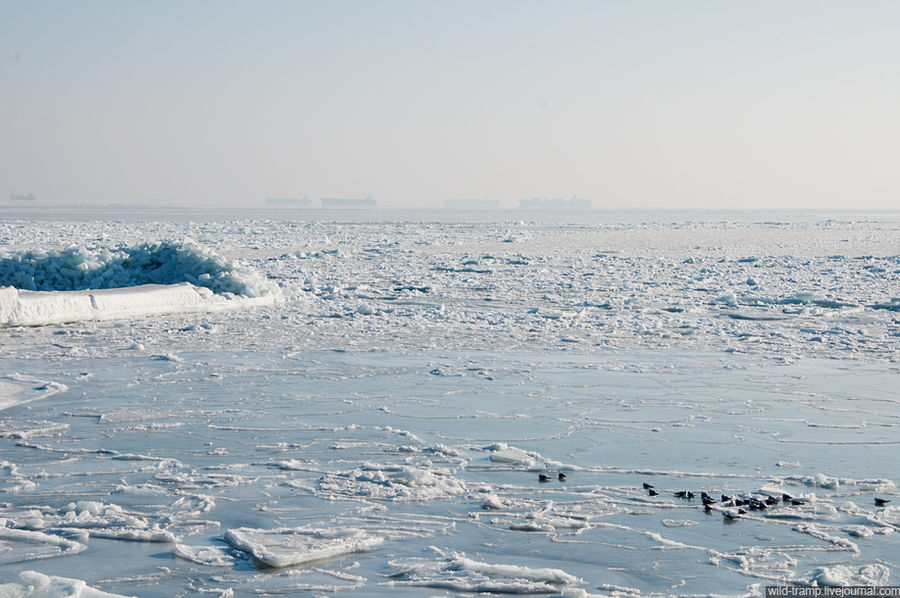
460	573
38	585
402	384
285	547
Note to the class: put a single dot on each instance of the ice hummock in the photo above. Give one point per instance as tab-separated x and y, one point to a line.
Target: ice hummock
79	284
81	268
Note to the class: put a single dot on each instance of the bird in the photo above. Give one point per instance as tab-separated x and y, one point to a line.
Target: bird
725	498
707	507
647	486
561	477
681	494
652	492
787	498
543	478
771	501
880	502
796	502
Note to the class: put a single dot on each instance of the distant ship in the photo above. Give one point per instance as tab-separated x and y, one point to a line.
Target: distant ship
29	197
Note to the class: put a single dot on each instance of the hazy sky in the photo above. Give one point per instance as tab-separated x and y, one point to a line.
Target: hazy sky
629	103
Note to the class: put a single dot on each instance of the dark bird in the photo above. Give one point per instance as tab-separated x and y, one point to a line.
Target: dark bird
880	502
706	507
742	512
652	492
787	497
647	486
739	502
771	501
543	478
796	502
689	495
681	494
725	498
706	496
561	477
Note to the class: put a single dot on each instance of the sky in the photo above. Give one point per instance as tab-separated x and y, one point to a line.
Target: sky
629	103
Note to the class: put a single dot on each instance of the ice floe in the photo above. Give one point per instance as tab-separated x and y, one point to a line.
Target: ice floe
33	584
40	288
211	556
17	389
38	308
20	545
460	573
872	575
286	547
392	482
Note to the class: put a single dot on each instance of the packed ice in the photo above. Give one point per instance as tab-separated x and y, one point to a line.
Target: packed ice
78	284
414	403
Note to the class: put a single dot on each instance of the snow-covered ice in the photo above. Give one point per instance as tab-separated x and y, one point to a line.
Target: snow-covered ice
32	584
82	285
408	403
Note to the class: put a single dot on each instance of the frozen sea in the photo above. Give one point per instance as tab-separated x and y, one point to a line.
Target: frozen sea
443	404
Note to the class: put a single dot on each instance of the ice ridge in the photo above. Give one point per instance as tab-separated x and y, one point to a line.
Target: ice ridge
81	268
